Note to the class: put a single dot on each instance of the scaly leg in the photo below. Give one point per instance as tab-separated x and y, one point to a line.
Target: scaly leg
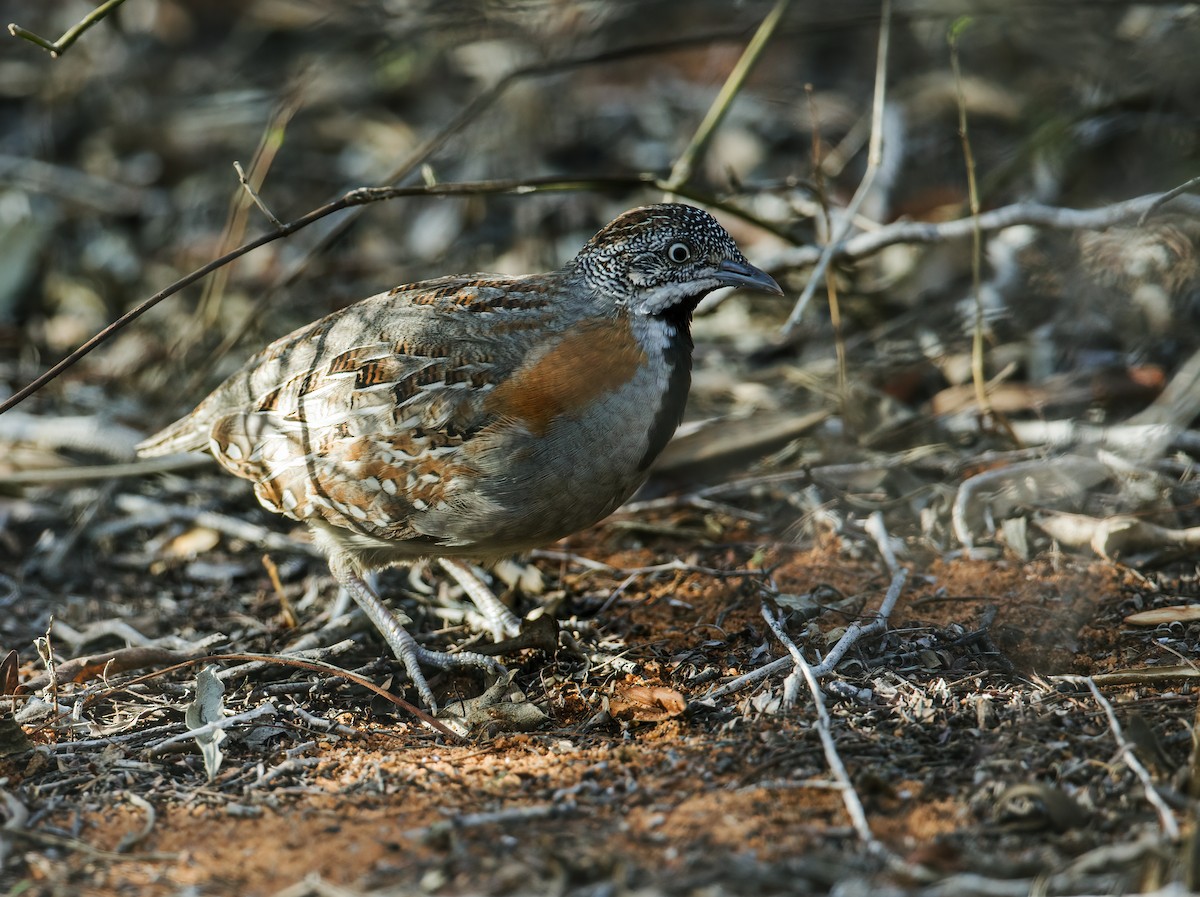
502	622
403	645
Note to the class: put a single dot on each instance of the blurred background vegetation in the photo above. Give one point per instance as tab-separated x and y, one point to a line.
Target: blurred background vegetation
116	159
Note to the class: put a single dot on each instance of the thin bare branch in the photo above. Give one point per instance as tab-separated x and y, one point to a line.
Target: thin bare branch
1031	213
874	155
253	194
681	172
58	47
852	634
175	742
1167	197
850	799
1165	817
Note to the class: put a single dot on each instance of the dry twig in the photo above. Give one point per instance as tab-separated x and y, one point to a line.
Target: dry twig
1031	213
850	799
874	158
1166	818
60	46
681	173
853	633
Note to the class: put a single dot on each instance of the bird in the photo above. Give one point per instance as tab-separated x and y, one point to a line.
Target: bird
473	417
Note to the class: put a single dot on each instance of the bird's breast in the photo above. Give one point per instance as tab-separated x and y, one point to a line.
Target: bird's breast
576	429
571	377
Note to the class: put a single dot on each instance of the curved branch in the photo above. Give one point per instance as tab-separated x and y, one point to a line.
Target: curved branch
58	47
1031	213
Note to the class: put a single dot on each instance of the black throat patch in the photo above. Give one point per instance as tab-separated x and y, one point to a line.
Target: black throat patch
678	355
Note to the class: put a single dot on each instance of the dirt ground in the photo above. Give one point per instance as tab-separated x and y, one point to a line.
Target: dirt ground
968	754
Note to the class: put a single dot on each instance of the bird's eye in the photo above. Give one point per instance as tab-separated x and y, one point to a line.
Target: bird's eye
679	253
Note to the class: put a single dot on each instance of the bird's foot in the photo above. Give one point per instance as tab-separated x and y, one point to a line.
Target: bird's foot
403	645
502	622
414	657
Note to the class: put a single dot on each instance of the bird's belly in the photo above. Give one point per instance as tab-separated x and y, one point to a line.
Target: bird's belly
536	488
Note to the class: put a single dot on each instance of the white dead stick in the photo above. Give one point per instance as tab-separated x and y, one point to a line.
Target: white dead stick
222	523
1024	483
1165	817
791	685
853	633
858	629
877	530
92	433
1030	213
850	798
1113	537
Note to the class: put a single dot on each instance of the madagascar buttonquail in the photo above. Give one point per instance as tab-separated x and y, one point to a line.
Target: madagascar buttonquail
473	416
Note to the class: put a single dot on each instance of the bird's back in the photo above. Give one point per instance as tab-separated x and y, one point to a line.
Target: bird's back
385	340
448	413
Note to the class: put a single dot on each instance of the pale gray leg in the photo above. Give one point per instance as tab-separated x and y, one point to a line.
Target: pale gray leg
502	622
403	645
341	602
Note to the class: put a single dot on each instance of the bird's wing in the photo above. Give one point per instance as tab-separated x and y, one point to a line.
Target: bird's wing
357	419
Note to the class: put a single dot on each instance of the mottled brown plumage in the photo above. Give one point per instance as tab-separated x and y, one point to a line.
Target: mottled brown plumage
476	416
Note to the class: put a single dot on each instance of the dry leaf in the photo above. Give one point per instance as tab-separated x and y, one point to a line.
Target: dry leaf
12	736
1175	613
8	674
195	541
647	703
208	707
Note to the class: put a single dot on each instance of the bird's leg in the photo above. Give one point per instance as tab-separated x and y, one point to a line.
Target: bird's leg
502	622
341	601
403	645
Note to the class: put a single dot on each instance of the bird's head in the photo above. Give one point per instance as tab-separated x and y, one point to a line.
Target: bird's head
661	260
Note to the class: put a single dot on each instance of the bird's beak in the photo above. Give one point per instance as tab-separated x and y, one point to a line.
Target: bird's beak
742	274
